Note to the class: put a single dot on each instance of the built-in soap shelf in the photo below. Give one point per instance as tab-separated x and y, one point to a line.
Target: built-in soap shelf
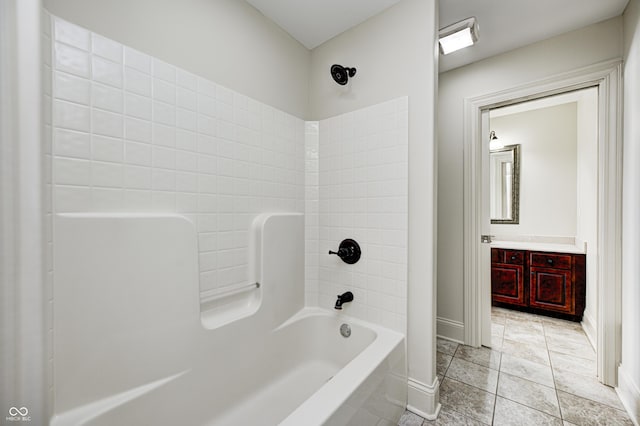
222	306
275	281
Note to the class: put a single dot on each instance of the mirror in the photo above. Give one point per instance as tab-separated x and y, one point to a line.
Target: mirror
504	180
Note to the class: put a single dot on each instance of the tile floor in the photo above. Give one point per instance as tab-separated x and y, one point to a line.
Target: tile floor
540	371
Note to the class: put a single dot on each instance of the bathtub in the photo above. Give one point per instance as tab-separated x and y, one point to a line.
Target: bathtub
315	376
155	358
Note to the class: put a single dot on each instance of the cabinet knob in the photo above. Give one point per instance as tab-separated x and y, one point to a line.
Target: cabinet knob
550	261
513	258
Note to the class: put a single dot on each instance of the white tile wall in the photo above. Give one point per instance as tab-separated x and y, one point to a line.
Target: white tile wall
311	219
128	132
132	133
362	194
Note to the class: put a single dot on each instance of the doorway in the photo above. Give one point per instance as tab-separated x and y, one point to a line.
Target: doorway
606	78
543	197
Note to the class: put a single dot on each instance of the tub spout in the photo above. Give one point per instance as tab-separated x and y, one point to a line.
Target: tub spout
344	298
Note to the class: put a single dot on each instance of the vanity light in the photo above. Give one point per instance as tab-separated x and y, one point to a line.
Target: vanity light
494	143
458	36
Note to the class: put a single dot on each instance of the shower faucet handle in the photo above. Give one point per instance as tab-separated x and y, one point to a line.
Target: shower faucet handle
349	251
342	252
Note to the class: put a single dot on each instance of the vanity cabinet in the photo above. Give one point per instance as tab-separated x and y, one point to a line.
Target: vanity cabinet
507	277
539	282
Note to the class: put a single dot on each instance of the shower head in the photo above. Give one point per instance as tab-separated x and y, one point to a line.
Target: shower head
341	74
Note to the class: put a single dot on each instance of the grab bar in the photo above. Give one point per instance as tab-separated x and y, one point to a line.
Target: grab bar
214	294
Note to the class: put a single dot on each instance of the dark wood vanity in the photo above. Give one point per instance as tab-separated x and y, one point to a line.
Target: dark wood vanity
544	283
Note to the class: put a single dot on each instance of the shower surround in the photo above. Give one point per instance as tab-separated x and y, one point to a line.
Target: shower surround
132	133
126	132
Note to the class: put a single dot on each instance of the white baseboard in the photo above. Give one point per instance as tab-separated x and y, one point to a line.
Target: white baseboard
629	394
423	399
589	327
449	329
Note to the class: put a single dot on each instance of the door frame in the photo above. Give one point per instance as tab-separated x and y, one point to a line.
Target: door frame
607	77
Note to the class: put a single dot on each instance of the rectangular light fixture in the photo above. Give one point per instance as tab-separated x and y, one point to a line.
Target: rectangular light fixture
458	36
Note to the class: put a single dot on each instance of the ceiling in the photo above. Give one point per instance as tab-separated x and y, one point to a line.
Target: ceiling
504	24
509	24
312	22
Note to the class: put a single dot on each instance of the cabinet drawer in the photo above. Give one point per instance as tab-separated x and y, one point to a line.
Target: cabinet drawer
547	260
511	257
514	257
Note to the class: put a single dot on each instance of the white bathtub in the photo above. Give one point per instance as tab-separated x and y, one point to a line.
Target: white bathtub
152	357
303	374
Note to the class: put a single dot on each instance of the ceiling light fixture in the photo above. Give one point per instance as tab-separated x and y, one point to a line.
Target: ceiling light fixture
458	36
494	143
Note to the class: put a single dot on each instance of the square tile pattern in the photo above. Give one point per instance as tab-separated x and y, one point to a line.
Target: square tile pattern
131	133
540	371
362	189
127	132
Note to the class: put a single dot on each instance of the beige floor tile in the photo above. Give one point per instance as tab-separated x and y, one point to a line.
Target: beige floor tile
546	375
410	419
472	374
569	329
573	364
467	400
525	323
496	343
497	329
512	314
442	363
529	370
513	414
569	347
525	392
586	387
535	353
568	338
582	411
498	317
556	322
449	417
481	356
524	334
446	346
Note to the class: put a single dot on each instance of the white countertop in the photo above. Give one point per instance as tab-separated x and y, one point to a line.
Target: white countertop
536	246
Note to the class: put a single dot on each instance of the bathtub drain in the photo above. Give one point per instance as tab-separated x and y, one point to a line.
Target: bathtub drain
345	330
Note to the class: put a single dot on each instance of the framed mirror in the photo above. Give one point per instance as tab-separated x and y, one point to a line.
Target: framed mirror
504	181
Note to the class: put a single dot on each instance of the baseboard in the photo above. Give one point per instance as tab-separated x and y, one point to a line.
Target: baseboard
423	399
629	394
589	327
449	329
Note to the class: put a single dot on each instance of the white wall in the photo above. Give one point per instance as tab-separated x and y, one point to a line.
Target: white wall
629	372
395	54
576	49
547	139
226	41
587	201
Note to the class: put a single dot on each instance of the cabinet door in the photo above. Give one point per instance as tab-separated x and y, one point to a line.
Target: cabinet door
551	289
507	284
